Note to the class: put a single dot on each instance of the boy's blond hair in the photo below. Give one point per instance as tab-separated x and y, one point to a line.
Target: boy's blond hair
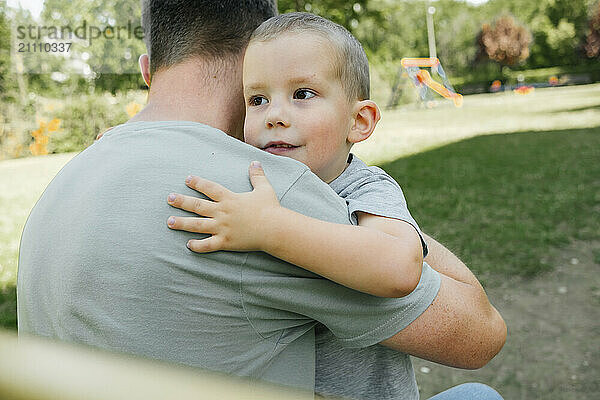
351	63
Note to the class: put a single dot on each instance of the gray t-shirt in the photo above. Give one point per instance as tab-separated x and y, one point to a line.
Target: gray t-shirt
99	266
375	372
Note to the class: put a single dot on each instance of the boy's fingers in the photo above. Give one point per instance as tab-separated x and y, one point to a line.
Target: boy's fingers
102	133
209	188
257	175
207	245
192	224
192	204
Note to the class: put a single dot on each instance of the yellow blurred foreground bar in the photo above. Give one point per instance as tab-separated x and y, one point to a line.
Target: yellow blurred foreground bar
38	369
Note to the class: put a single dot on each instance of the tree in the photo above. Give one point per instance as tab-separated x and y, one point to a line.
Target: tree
557	27
345	13
100	42
506	42
592	41
4	50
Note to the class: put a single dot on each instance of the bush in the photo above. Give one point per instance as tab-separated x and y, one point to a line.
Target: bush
15	129
79	119
83	117
592	40
480	80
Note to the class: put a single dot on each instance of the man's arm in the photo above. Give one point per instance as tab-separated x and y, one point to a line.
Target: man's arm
445	262
460	328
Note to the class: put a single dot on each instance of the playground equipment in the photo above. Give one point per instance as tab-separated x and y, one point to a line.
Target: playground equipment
423	80
524	90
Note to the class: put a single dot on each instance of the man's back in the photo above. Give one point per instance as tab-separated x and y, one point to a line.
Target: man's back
98	264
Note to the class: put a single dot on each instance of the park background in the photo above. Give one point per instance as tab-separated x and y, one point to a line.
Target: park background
510	181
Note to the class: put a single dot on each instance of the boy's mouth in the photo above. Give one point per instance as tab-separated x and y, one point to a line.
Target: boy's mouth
279	148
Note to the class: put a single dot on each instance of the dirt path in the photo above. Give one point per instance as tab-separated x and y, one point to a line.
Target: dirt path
553	348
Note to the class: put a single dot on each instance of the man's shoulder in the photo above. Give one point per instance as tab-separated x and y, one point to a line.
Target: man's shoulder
169	151
171	134
193	148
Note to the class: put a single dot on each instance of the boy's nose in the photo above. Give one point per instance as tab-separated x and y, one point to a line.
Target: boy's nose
277	122
276	118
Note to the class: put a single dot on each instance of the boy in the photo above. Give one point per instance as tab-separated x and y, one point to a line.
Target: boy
306	87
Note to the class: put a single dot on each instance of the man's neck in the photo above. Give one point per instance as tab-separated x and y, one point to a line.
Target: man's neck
191	91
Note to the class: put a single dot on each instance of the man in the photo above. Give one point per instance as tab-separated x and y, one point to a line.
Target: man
98	264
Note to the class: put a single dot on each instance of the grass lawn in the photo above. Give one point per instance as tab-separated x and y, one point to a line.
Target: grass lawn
413	129
505	182
502	202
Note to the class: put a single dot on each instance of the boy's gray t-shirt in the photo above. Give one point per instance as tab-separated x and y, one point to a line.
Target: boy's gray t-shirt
99	266
374	372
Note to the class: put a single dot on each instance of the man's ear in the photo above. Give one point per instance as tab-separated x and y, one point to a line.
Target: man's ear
145	68
366	115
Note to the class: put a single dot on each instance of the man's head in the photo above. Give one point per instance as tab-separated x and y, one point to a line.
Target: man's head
177	30
306	86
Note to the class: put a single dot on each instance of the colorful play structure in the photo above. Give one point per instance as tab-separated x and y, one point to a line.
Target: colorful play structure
424	82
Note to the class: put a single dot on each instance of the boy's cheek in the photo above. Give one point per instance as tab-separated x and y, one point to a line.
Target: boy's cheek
250	130
250	136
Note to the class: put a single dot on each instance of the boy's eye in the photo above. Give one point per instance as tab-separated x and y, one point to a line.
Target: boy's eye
257	101
304	94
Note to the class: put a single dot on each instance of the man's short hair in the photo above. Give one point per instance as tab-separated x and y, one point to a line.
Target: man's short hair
176	30
352	65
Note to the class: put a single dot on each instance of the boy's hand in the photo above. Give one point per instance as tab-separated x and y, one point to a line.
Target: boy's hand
236	221
102	133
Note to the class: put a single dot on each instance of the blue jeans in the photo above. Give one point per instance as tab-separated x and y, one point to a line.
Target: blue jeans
468	391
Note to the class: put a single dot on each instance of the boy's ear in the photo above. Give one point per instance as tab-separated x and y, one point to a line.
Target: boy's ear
366	115
145	68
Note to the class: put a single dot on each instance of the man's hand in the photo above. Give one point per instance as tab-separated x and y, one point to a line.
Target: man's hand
236	221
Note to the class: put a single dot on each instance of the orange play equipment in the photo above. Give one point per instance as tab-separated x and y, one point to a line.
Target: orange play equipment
423	80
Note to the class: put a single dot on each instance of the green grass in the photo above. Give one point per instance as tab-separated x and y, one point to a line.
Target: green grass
500	181
8	308
22	181
597	256
412	129
502	202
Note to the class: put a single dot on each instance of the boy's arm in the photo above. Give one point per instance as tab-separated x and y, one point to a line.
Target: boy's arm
364	258
460	328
